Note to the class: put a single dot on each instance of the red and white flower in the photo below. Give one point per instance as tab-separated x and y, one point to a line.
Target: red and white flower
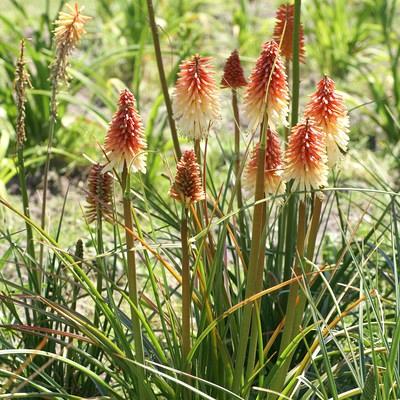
273	182
125	143
195	100
305	159
267	92
330	114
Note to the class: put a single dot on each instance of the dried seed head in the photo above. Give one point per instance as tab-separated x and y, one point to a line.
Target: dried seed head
330	114
21	83
267	90
233	72
273	183
195	100
305	159
125	142
79	250
187	187
283	32
69	28
99	194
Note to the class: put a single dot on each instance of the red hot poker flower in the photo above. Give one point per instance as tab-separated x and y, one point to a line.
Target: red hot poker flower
305	160
274	184
330	114
267	89
283	32
187	187
125	142
195	100
233	72
99	195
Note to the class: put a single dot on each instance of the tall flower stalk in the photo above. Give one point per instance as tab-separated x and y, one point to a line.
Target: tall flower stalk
21	83
266	105
187	189
163	79
125	149
305	167
68	32
234	79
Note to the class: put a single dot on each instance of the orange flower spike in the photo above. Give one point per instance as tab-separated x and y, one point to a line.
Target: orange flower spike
305	160
233	72
283	32
187	187
330	114
267	89
99	195
195	100
125	142
274	184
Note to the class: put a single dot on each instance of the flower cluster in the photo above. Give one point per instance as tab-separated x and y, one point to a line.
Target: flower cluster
329	113
283	32
267	92
195	101
22	81
68	32
125	144
233	72
99	194
306	161
273	182
187	187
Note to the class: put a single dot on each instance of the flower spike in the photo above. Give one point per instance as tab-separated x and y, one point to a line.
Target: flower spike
274	184
195	101
125	142
305	160
283	32
22	81
233	72
68	32
99	195
330	114
267	90
187	187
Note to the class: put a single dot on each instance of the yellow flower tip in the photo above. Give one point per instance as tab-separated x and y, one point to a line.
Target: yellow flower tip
70	26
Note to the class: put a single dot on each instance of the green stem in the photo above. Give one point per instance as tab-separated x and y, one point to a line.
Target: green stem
186	298
25	203
238	170
186	292
290	239
53	117
279	378
163	80
132	282
253	273
100	264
